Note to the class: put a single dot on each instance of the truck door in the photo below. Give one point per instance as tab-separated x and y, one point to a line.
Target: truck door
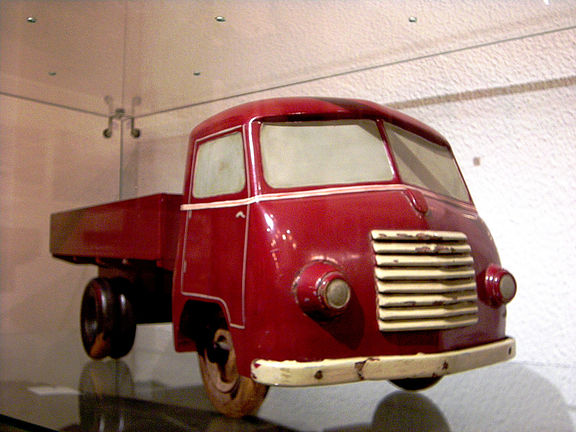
215	230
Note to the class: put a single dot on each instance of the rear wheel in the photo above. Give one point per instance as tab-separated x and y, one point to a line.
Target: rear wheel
231	394
107	321
415	384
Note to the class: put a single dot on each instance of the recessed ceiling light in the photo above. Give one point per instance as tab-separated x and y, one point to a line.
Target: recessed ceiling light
220	18
413	19
197	73
32	20
52	73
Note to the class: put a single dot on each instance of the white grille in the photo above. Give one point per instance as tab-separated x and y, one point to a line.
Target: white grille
425	280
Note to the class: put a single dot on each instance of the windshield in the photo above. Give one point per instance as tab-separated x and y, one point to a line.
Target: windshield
425	164
298	154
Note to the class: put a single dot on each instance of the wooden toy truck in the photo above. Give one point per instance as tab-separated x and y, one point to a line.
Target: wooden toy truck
317	241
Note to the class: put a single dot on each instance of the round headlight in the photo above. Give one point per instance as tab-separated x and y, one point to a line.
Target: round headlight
499	286
337	294
321	290
507	287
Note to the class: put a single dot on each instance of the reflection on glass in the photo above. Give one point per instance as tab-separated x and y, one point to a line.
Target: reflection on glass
111	402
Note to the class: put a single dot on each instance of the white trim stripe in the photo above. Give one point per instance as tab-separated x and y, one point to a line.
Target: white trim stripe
217	204
291	195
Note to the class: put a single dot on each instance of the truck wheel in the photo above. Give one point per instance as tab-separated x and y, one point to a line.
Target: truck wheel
231	394
415	384
107	320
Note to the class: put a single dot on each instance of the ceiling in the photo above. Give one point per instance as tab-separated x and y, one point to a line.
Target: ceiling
149	56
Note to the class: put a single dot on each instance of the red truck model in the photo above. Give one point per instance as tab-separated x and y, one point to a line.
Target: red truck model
317	241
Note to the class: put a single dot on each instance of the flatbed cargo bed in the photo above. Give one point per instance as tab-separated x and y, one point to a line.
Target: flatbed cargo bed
139	229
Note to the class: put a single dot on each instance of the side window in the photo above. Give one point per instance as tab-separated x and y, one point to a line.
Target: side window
219	167
425	164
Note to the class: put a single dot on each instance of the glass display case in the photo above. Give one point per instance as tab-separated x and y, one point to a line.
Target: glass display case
98	98
155	388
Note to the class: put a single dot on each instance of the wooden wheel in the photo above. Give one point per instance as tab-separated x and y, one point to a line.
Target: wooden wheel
107	321
415	384
230	393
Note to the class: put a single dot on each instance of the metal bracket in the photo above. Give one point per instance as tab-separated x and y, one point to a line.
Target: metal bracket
119	114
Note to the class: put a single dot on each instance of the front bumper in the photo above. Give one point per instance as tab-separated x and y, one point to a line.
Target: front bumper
338	371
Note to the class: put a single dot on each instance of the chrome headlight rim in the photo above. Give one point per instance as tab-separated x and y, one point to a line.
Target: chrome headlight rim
321	290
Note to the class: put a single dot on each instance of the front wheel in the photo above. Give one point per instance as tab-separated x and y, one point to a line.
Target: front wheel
231	394
415	384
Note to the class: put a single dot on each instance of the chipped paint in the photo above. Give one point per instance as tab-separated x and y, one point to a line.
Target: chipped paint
359	367
337	371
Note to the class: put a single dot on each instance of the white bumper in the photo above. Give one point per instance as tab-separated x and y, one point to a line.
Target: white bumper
293	373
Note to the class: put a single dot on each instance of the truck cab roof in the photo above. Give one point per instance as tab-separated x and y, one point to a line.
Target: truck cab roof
311	108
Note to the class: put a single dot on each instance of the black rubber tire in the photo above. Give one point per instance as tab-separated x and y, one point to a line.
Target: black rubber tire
230	393
415	384
107	320
124	331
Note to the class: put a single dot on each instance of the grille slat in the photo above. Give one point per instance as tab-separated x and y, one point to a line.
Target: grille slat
424	260
401	272
425	280
442	236
412	313
415	287
422	324
420	248
412	300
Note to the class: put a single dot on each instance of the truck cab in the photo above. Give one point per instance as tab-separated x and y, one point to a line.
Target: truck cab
327	241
